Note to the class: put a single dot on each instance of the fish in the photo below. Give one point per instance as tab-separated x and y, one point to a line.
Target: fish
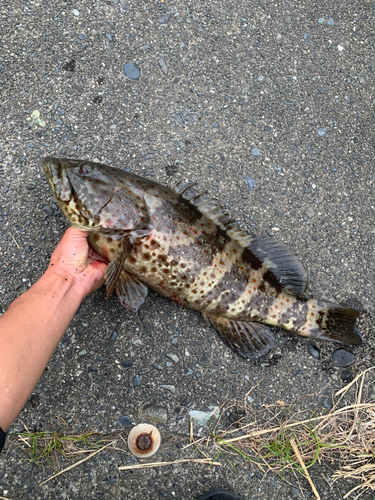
177	241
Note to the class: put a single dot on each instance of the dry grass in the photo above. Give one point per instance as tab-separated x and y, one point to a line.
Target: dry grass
280	440
275	439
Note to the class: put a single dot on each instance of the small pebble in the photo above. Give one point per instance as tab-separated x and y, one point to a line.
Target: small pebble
64	343
173	357
255	152
154	413
125	421
132	71
202	360
75	12
109	37
325	398
322	132
114	335
115	489
136	381
163	66
170	388
331	22
164	19
343	46
342	357
325	402
321	20
250	182
47	209
313	351
157	367
82	36
137	342
125	364
309	212
174	341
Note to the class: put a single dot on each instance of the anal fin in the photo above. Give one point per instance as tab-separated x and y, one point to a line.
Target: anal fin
248	339
114	268
130	292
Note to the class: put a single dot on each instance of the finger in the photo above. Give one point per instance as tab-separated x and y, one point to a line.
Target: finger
74	232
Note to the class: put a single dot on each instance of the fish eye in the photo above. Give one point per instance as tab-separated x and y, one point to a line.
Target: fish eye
85	168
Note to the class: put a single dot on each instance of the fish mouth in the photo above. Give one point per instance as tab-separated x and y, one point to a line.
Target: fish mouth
57	176
52	170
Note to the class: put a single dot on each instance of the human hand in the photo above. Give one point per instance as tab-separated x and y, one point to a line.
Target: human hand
76	261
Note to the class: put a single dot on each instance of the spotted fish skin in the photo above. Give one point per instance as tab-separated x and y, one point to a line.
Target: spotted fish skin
177	242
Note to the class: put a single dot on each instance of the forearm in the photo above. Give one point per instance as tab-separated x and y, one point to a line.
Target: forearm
29	331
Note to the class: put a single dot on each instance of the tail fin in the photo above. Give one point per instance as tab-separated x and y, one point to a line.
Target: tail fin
336	323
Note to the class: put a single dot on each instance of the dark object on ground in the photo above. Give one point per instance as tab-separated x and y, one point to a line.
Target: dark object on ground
220	494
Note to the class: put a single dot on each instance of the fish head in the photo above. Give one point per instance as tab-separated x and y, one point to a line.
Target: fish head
95	197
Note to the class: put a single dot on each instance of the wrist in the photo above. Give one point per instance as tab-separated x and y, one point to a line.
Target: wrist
77	284
58	284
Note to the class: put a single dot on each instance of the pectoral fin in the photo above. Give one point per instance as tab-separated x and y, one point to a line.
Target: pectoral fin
248	339
114	268
130	292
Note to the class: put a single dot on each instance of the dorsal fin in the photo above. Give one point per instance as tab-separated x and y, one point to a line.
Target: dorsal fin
209	208
286	268
281	261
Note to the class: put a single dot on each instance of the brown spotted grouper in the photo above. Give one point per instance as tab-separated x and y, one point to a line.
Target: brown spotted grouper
176	241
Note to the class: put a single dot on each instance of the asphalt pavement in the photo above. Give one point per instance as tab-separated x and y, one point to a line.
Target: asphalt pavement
270	106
